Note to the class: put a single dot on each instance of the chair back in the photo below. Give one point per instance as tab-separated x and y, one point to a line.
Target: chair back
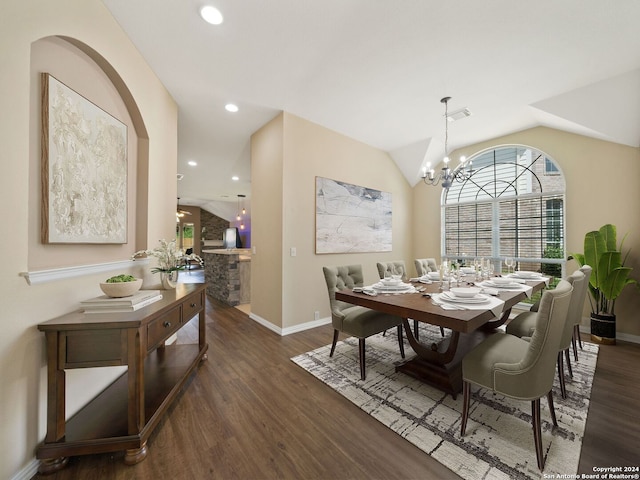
425	265
339	278
577	280
586	269
392	268
532	377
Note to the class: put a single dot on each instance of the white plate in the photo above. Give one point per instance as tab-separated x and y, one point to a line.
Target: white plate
392	288
503	285
448	297
526	274
467	270
501	280
518	277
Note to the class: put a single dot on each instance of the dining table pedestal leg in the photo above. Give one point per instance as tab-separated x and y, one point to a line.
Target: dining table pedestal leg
440	363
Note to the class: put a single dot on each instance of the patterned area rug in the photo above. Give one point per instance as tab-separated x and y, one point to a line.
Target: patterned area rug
499	439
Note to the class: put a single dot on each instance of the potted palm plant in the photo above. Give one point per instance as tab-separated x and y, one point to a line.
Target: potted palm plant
608	278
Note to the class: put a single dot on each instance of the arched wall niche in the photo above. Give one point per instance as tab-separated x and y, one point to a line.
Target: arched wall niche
87	72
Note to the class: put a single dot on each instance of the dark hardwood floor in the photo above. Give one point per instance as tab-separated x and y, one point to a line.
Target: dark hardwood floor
251	413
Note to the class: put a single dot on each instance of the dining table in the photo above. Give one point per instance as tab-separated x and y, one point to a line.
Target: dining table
439	363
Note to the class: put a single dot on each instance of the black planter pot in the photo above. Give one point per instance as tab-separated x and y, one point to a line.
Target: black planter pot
603	328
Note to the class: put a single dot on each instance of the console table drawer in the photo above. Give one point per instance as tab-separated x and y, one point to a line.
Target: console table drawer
92	348
191	307
162	328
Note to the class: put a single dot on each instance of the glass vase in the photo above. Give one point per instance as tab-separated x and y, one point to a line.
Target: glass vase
169	279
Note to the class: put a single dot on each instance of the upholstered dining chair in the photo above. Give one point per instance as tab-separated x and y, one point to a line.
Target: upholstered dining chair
354	320
397	267
521	369
524	324
425	265
586	269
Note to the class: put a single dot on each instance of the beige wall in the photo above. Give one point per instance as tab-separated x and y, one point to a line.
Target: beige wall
153	112
266	221
309	150
601	187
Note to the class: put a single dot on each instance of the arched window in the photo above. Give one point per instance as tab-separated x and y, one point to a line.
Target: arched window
511	206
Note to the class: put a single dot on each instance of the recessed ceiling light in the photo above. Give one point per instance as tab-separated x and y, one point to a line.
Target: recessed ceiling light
230	107
211	15
235	178
192	163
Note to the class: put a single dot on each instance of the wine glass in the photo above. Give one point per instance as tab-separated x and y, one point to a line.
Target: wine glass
509	263
443	270
487	268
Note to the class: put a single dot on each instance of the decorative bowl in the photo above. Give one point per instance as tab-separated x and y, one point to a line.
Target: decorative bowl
391	281
465	292
121	289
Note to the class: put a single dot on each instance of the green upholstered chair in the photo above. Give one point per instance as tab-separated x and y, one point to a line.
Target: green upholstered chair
518	368
397	267
354	320
425	265
524	324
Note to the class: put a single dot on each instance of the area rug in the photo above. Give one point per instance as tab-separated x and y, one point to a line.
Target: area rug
499	439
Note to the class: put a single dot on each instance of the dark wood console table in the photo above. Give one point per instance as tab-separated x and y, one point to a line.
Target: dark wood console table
123	416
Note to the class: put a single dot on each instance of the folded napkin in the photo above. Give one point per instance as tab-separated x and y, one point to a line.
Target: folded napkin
489	290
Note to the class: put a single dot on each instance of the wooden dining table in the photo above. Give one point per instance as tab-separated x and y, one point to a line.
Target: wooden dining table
439	363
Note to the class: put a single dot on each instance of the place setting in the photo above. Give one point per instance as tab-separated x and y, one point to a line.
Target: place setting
388	285
467	298
428	278
507	283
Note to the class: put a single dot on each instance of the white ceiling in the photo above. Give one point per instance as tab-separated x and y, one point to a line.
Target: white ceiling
375	70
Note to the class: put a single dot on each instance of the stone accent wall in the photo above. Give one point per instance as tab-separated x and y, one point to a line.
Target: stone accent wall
222	276
215	225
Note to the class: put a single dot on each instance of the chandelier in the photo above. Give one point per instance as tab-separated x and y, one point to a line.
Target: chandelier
446	175
239	217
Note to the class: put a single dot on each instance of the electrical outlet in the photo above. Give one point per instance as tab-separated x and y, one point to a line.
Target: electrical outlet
316	315
293	251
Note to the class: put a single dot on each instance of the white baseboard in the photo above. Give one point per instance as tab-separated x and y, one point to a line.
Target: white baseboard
289	330
29	470
307	326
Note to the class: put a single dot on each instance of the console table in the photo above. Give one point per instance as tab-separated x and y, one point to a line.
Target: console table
122	416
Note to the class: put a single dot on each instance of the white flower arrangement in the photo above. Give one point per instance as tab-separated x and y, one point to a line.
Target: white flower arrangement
170	258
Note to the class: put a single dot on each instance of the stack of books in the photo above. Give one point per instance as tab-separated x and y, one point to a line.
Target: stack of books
105	304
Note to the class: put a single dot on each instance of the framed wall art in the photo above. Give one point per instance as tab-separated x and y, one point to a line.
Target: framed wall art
351	219
84	169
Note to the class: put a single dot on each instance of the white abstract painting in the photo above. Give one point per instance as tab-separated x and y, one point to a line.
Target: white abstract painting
84	153
350	218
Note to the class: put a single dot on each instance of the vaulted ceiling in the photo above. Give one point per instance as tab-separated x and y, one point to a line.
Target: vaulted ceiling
375	70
